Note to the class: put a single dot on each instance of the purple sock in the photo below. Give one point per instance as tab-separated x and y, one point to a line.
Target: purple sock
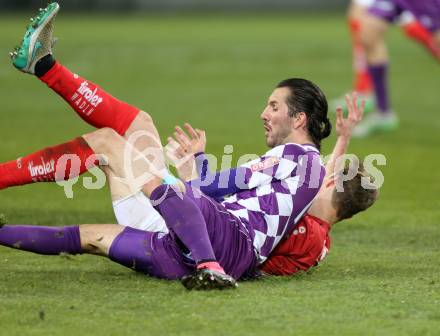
184	218
379	75
41	239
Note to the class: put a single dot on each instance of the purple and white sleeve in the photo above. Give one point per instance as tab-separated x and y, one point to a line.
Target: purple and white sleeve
278	163
219	184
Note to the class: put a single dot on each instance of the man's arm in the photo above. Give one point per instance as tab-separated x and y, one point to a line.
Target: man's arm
186	151
344	129
183	151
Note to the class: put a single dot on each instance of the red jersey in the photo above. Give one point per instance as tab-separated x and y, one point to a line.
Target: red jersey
308	244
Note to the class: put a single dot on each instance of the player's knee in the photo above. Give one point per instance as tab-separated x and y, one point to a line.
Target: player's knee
108	134
103	140
86	238
90	239
145	118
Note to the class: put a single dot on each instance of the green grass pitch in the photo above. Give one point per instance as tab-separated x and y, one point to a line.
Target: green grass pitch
382	276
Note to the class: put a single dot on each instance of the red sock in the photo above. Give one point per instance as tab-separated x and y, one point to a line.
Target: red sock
362	80
418	32
41	166
92	104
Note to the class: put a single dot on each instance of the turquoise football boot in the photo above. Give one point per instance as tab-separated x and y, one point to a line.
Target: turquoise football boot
37	41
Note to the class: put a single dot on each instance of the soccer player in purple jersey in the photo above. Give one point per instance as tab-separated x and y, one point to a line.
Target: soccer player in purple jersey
268	197
374	25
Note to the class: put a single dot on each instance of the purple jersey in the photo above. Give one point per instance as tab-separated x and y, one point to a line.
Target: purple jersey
427	12
280	188
269	197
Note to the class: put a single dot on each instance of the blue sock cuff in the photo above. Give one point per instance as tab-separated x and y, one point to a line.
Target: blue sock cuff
170	179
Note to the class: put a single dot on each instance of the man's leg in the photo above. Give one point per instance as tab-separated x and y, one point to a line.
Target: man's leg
91	103
373	38
98	238
153	253
44	165
231	241
362	81
136	211
94	105
79	155
102	110
48	240
373	30
431	41
133	208
41	239
34	56
361	76
136	126
142	251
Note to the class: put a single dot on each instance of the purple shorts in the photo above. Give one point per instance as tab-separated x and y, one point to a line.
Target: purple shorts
162	255
427	12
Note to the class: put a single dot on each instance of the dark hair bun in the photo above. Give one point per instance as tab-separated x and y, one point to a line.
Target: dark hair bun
326	128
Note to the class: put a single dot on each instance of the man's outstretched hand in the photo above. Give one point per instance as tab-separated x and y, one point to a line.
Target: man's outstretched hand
345	126
193	142
182	147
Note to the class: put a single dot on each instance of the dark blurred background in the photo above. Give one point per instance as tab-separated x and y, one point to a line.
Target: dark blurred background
180	5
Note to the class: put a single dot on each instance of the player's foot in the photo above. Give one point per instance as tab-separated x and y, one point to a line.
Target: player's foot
376	123
205	279
37	41
369	103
